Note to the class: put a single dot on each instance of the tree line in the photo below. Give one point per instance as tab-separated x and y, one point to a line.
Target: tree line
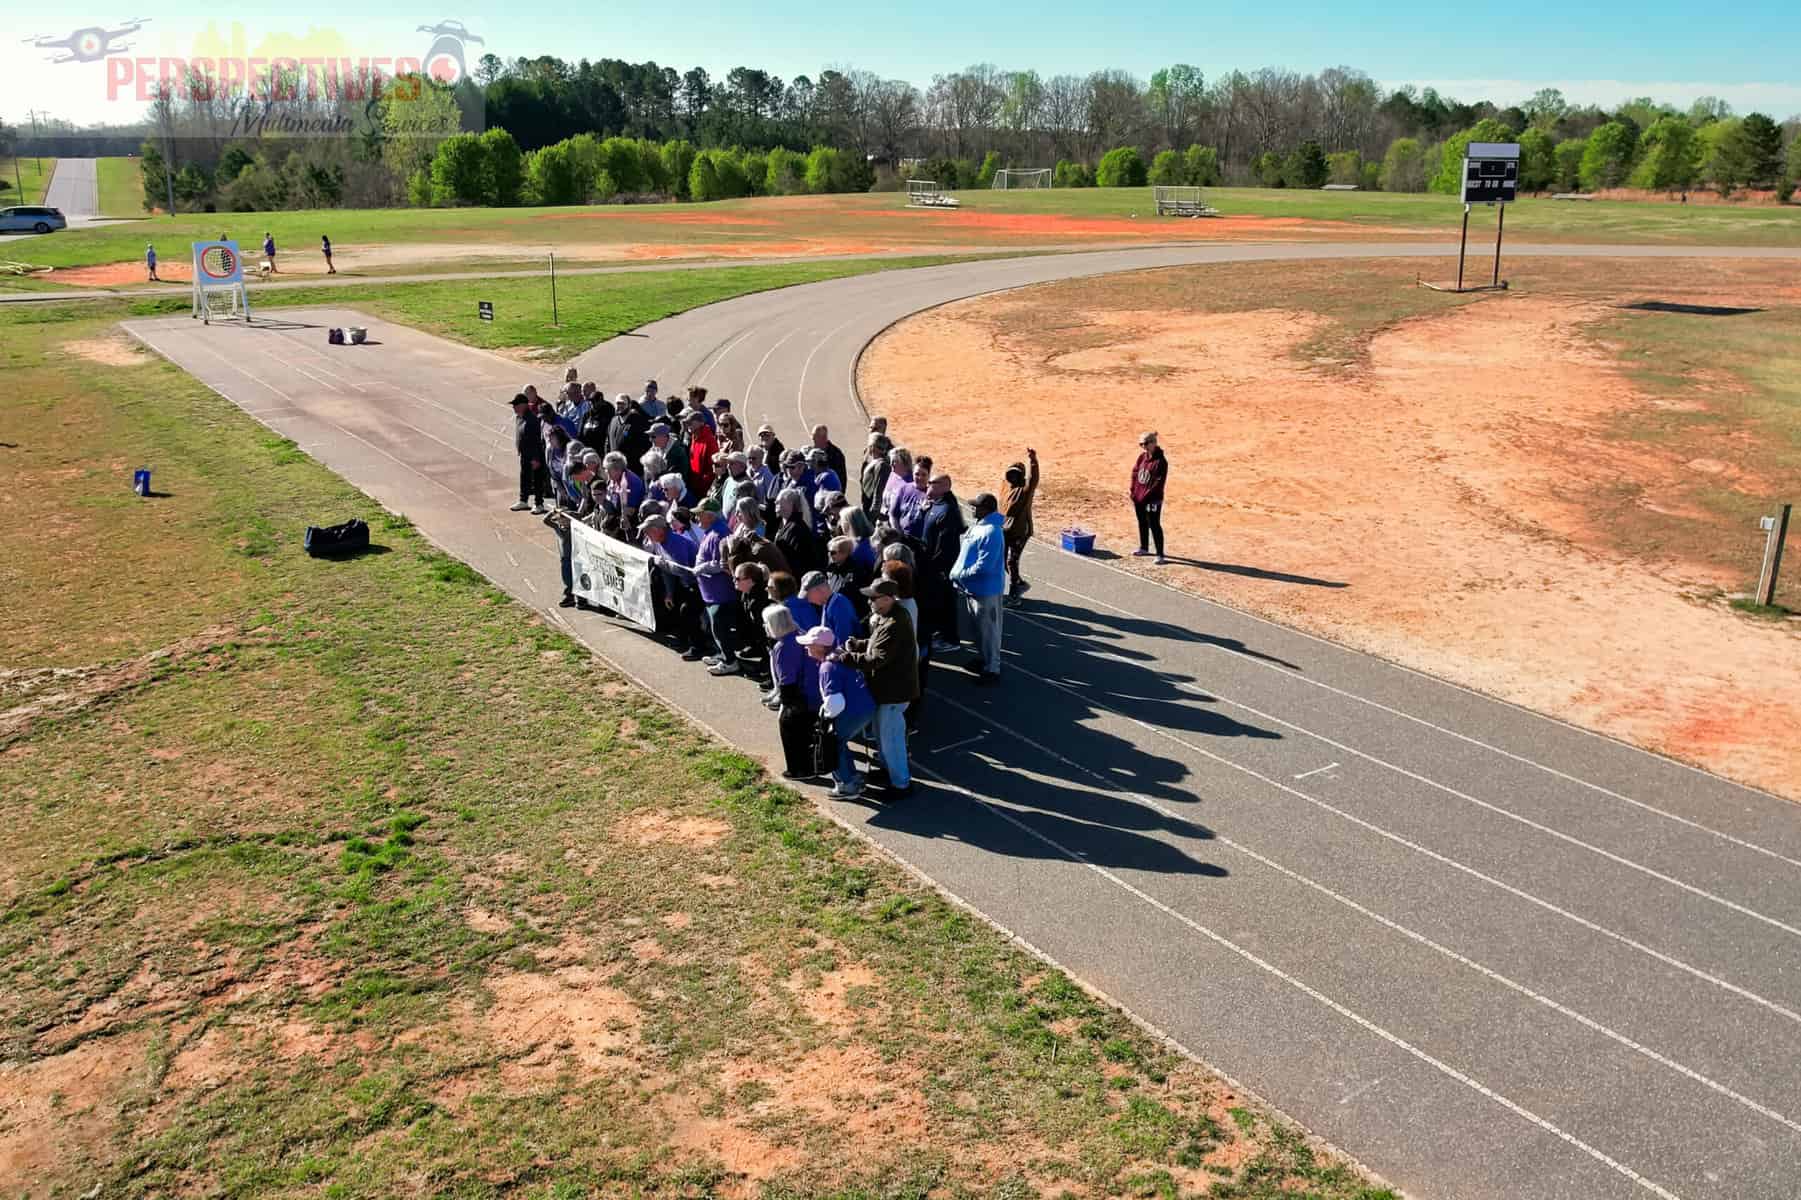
853	129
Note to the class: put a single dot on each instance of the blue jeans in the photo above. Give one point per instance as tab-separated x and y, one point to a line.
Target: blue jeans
722	623
846	774
891	735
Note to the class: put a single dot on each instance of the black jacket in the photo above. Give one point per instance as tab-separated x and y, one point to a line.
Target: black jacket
834	458
528	435
630	436
942	534
871	483
800	546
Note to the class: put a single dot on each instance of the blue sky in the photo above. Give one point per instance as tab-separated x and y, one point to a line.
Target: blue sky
1602	52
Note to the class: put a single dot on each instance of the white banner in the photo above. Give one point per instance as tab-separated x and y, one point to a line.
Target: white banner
611	574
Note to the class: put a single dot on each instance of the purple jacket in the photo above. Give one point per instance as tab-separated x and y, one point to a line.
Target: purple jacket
715	585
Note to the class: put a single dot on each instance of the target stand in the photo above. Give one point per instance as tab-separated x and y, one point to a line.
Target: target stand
219	283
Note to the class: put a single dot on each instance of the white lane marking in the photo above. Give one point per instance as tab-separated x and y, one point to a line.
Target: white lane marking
800	393
327	384
1377	704
732	345
1412	935
1315	994
1358	1091
1448	790
488	431
1465	868
509	555
1316	771
969	741
1519	758
753	375
528	582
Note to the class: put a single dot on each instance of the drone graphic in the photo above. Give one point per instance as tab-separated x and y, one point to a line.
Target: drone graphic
88	45
444	60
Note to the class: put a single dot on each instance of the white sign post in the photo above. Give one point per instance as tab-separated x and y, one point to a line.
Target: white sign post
1491	176
218	272
611	574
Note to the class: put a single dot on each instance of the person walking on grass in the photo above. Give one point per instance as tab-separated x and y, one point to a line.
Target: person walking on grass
980	576
269	251
1017	494
1149	474
528	443
325	249
150	260
889	660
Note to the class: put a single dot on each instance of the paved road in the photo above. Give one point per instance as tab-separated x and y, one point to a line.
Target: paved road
74	188
1489	954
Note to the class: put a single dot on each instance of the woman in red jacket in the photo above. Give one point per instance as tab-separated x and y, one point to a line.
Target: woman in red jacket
703	444
1149	474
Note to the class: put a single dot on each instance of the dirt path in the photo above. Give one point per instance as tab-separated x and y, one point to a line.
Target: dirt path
1431	502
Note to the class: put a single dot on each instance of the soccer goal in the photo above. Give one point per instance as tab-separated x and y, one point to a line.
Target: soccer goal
925	193
218	274
1009	178
1173	201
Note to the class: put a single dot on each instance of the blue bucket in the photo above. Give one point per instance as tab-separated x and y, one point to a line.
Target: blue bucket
140	481
1078	541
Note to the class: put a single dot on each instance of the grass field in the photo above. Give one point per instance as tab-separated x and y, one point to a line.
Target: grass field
355	879
590	308
861	223
121	187
33	174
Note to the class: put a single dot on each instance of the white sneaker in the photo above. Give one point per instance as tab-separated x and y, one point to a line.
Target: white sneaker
521	506
846	791
724	668
539	510
711	660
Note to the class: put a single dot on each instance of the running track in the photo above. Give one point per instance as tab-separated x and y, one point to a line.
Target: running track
1486	953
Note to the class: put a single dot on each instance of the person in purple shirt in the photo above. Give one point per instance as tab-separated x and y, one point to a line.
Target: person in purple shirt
845	701
796	677
672	588
824	478
718	595
624	490
836	612
900	472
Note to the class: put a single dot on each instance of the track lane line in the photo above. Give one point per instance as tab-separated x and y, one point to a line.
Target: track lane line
1489	973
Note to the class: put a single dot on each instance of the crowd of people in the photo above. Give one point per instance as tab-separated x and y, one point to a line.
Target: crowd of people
836	594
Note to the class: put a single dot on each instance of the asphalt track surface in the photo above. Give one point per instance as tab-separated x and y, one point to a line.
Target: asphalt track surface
74	187
1485	952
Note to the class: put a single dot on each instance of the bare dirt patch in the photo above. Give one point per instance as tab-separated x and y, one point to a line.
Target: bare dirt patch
114	351
54	1110
30	695
1382	491
566	1019
655	827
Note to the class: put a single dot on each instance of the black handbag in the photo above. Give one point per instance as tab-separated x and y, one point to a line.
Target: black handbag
326	541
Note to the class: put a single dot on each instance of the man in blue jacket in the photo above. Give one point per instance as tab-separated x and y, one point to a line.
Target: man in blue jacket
981	576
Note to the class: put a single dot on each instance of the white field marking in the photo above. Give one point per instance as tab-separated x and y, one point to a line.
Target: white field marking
1377	704
323	382
730	346
1448	790
760	364
510	557
1313	993
528	581
1358	1091
312	352
800	392
1412	935
487	430
969	741
1454	864
1316	771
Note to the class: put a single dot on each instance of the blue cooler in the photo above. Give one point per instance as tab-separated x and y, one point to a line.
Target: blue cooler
1078	541
140	481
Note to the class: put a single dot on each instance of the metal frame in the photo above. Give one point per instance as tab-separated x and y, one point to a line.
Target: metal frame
206	286
925	193
1181	200
1507	153
1001	176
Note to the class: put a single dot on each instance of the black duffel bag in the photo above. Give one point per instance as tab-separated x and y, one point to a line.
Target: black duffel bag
349	538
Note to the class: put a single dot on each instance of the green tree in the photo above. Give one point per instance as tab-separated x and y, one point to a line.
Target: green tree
1404	166
1718	162
1305	166
1566	172
152	171
1760	148
1607	160
1268	167
1668	156
192	185
1371	180
1121	167
678	160
755	165
1071	174
1791	179
729	173
1200	166
703	180
619	157
991	162
504	168
458	171
1168	168
552	176
1538	160
786	174
232	163
1449	179
825	172
604	188
1345	166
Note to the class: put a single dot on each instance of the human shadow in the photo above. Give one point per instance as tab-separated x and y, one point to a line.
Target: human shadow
1104	624
1692	310
1256	572
1059	823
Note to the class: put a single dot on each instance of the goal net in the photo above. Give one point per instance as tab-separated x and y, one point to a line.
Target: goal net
1010	178
1179	201
925	193
218	273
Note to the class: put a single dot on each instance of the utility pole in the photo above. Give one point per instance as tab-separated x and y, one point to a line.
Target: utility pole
38	150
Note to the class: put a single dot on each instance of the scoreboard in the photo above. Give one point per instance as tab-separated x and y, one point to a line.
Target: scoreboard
1491	172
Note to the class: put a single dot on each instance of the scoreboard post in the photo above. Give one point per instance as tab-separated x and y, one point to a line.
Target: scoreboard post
1491	176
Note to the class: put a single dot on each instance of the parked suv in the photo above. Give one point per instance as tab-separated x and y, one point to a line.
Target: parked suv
29	219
